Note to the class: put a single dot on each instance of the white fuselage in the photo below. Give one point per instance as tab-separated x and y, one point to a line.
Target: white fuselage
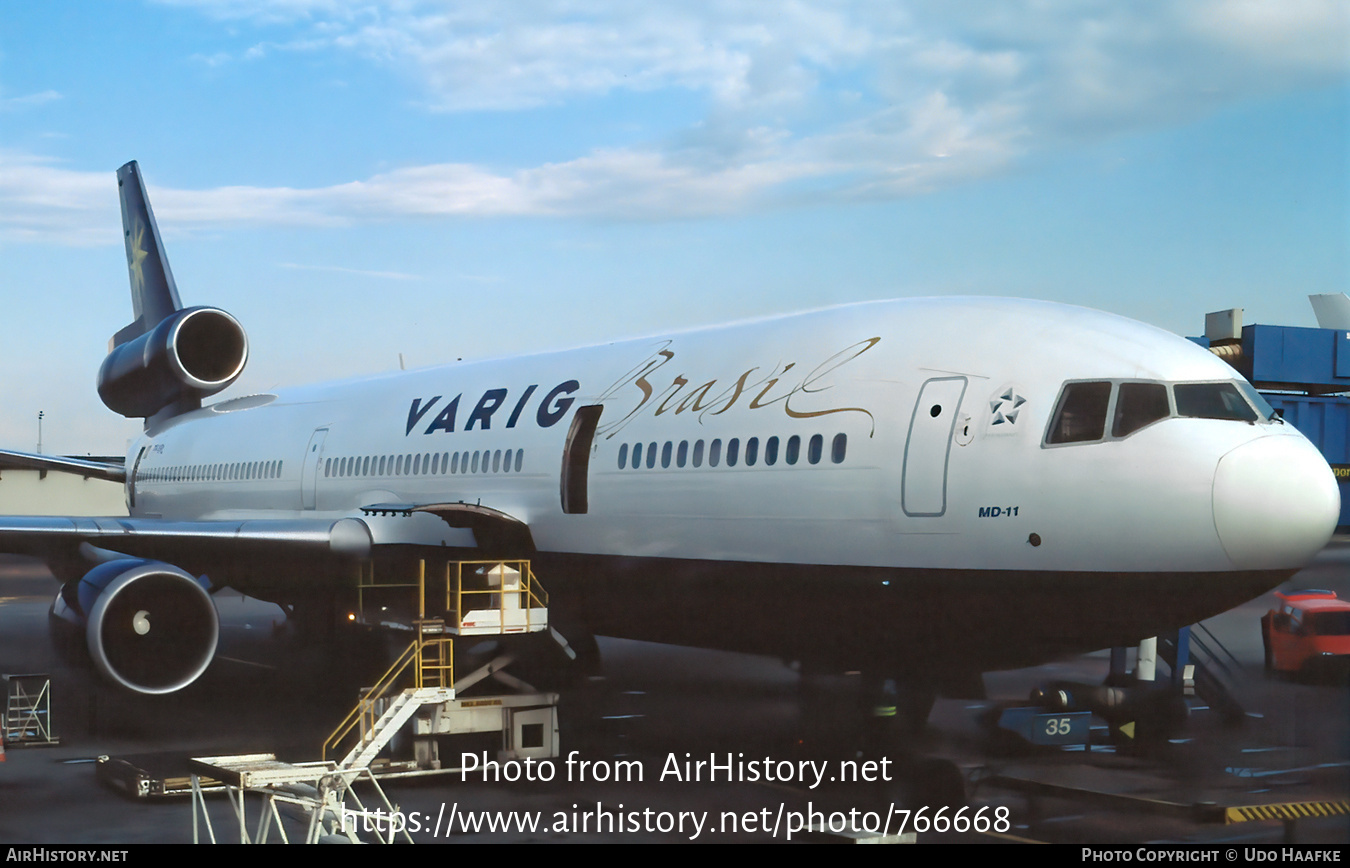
964	489
906	498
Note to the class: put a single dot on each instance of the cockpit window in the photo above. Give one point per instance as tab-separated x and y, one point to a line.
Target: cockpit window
1137	405
1083	408
1213	401
1258	400
1081	415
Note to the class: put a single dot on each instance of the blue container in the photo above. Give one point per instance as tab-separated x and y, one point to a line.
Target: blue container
1325	420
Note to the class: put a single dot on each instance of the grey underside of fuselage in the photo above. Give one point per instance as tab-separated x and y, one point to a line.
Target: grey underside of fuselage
920	621
886	618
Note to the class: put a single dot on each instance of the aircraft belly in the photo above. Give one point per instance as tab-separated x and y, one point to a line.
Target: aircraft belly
853	616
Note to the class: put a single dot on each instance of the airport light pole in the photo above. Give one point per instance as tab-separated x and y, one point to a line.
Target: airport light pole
40	414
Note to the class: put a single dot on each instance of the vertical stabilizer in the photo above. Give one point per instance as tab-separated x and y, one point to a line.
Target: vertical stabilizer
1332	310
154	295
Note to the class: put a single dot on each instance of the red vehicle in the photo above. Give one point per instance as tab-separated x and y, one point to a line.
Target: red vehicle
1308	633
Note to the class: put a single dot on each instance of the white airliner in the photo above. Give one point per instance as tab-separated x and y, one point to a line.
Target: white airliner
924	489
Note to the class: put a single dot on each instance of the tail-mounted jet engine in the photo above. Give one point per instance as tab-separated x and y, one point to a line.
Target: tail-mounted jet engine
191	354
148	626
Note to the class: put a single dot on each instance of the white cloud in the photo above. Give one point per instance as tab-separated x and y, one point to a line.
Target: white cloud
358	272
512	55
41	201
803	100
72	207
1291	34
28	100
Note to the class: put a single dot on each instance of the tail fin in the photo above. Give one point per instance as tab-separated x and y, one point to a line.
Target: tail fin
154	296
1332	310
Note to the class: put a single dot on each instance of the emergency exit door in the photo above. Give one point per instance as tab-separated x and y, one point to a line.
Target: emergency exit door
928	448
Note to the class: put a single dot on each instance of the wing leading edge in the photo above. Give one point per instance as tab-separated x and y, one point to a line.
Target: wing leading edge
457	525
149	537
112	470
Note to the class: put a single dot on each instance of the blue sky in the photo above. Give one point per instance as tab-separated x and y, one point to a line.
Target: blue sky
355	180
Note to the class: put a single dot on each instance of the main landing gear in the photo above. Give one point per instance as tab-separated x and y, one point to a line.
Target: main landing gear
894	713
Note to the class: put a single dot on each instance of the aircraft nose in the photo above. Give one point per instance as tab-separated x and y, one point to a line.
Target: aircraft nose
1276	503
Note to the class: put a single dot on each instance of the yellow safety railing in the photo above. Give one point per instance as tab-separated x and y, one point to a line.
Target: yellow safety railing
432	653
433	662
436	661
363	714
366	583
527	597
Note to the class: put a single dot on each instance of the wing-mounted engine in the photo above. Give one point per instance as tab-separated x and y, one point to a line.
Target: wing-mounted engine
148	626
190	355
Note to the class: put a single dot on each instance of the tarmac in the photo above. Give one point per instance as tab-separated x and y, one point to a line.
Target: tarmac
772	744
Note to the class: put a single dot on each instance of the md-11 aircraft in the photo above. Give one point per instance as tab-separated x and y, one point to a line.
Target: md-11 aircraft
922	489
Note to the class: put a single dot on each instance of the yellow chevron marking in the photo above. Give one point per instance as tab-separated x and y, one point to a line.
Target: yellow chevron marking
1285	811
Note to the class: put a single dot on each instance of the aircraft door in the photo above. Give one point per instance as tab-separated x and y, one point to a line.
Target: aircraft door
131	480
576	463
309	472
923	488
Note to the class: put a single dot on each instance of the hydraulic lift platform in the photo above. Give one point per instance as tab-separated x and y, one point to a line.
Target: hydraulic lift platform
474	599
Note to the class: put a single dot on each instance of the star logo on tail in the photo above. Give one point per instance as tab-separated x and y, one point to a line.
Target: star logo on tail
136	261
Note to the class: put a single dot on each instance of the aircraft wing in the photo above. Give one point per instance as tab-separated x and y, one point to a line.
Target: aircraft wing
459	525
42	536
109	469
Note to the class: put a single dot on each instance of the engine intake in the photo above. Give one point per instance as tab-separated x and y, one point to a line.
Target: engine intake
190	355
149	626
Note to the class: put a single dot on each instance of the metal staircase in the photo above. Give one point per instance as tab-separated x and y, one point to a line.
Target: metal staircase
477	599
480	598
28	712
1214	668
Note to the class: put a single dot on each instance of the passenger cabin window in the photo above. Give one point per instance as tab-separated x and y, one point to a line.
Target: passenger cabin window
1081	414
754	451
838	448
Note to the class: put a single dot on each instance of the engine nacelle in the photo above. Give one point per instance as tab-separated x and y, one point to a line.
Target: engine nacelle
148	626
191	354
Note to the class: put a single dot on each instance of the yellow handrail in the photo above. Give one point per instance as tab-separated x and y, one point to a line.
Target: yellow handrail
530	592
432	670
434	657
364	712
